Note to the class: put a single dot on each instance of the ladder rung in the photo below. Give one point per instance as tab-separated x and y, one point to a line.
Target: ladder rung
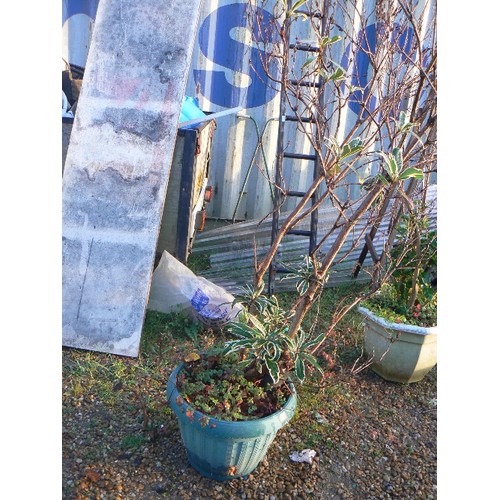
299	232
304	83
307	47
305	119
299	156
282	270
299	194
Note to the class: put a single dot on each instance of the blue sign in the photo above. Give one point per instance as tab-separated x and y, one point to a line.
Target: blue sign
72	7
361	102
217	45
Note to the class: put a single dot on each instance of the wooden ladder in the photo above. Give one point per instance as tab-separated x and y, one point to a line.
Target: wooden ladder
280	191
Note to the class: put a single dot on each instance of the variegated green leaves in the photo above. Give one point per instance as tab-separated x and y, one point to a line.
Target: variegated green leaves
265	342
393	163
303	356
304	273
394	168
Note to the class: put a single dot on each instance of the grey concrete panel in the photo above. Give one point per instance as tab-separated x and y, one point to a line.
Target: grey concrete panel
117	167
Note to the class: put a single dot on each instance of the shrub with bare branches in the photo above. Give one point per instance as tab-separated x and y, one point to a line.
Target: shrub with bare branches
370	120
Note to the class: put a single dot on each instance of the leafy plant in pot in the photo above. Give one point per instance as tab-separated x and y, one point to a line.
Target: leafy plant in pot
231	401
368	161
401	317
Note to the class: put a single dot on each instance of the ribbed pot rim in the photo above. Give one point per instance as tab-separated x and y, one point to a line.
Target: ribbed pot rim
402	327
241	426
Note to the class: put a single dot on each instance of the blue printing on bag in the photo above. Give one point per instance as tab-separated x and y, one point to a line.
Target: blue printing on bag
199	300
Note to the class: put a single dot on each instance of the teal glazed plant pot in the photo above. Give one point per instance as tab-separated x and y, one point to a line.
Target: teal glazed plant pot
224	450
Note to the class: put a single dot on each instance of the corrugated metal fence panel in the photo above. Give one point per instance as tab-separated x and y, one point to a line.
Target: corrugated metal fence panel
233	248
222	77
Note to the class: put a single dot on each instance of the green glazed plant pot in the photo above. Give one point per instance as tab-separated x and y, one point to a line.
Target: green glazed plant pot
401	353
224	450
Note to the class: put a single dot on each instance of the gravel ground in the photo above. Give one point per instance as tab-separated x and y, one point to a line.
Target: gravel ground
373	438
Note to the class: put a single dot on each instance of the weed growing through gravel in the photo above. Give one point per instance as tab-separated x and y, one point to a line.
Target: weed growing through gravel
133	441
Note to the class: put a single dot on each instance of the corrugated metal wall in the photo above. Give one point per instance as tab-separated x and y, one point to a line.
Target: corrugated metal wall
233	248
223	75
221	78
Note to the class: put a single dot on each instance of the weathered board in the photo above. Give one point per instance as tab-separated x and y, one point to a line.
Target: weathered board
117	168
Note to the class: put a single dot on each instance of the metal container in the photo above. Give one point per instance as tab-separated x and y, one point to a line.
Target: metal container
226	70
78	18
187	192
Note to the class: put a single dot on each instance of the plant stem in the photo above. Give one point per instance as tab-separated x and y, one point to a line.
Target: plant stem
304	302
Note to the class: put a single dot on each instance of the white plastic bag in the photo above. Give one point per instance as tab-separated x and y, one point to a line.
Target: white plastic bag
175	287
306	455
